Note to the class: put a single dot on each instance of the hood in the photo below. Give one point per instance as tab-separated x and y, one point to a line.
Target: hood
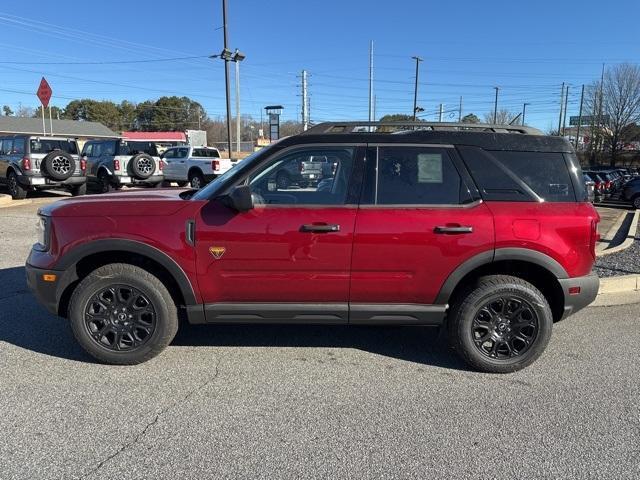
157	202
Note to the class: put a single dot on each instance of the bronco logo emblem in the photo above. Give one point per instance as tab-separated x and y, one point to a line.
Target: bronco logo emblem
217	252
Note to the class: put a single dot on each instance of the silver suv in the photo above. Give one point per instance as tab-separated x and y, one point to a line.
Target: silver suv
29	162
115	163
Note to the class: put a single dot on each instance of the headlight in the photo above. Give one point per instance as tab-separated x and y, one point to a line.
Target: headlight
43	226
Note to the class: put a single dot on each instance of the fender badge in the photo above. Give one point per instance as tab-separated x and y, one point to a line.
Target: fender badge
217	252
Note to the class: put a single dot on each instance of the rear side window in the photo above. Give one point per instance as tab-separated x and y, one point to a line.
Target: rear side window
18	146
7	146
519	176
545	173
44	145
134	148
417	176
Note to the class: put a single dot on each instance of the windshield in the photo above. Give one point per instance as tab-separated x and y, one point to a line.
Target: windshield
237	170
47	145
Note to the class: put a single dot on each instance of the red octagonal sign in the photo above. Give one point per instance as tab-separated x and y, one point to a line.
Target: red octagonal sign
44	92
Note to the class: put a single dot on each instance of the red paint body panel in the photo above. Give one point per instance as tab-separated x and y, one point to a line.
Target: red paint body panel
398	257
564	231
268	259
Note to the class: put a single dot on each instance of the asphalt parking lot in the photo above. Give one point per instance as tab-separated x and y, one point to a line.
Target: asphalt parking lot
309	402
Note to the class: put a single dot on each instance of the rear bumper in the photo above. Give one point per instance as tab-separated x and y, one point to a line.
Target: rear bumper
36	181
574	302
122	180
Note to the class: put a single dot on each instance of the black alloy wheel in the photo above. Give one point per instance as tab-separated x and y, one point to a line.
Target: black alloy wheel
120	318
505	327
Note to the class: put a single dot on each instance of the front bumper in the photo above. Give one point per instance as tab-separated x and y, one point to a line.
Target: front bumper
588	290
35	181
48	294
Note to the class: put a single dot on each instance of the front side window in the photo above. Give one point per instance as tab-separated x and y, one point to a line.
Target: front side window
417	176
297	178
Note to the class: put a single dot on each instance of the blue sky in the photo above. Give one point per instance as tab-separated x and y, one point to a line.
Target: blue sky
526	48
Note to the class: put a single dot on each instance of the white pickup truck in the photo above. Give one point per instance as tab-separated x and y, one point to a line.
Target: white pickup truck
194	166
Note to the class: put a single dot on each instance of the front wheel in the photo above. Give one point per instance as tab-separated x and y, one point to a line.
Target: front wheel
500	324
121	314
635	201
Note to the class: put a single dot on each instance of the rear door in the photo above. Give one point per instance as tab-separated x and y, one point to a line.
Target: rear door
4	160
420	217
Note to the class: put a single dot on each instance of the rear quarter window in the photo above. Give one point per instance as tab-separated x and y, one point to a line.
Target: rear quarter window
510	176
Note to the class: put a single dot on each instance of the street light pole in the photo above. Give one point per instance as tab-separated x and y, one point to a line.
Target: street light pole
495	107
415	91
226	55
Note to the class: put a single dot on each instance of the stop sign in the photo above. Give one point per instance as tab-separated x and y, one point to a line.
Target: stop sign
44	92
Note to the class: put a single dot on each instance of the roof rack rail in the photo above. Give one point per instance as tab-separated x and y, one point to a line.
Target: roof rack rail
410	127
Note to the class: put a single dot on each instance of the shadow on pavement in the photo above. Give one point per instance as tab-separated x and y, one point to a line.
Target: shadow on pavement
25	324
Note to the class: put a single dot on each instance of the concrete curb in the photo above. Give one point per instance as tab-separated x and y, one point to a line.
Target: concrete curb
628	241
5	200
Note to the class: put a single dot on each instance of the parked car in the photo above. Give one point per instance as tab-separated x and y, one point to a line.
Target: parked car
590	186
116	163
194	166
484	231
602	191
29	162
631	192
317	167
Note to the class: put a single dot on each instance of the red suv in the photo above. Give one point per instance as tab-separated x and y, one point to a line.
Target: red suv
484	230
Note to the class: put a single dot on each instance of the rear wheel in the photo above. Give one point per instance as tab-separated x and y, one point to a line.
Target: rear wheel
17	191
500	324
196	179
635	201
79	190
121	314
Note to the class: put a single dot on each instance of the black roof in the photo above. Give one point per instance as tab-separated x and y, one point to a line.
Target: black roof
488	137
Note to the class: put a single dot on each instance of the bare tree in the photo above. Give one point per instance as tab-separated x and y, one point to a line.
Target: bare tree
504	117
616	102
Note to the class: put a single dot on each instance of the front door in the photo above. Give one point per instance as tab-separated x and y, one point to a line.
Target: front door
419	219
287	259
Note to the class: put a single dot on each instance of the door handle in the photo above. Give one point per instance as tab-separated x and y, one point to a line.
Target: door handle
453	229
320	228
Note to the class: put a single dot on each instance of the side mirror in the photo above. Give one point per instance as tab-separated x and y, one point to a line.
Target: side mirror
239	198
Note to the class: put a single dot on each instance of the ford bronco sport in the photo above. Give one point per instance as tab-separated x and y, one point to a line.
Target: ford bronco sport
481	229
116	163
31	162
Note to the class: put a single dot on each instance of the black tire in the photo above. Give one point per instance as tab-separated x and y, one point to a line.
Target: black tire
196	179
17	191
282	181
79	190
635	201
58	165
113	340
104	182
142	166
507	342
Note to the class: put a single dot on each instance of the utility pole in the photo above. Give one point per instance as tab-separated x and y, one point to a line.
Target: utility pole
599	126
371	106
524	110
415	91
375	104
440	113
305	115
561	105
495	106
237	104
226	55
460	110
564	118
579	117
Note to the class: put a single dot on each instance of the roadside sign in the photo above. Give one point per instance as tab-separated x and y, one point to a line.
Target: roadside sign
589	120
44	92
